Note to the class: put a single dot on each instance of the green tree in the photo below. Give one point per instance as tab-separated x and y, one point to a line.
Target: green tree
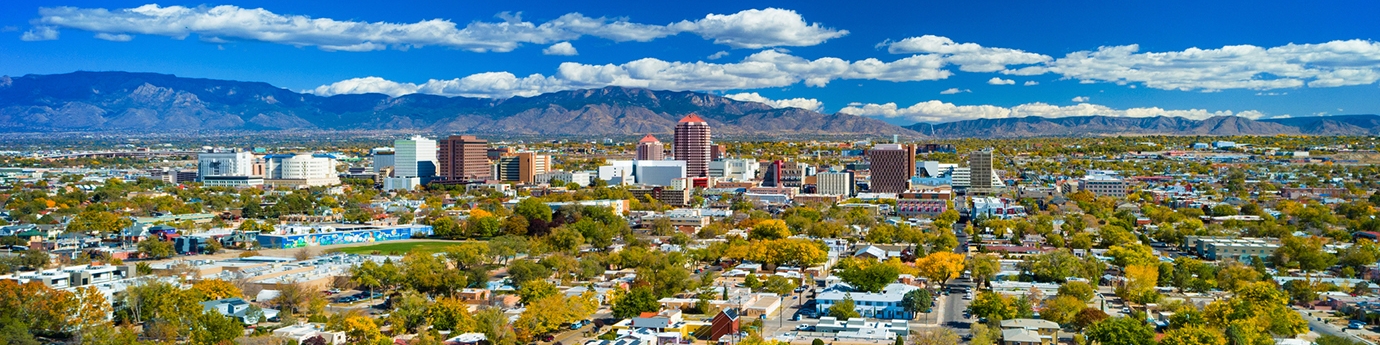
1194	335
751	282
1121	330
845	309
641	299
533	209
535	290
1062	309
213	328
917	301
154	248
1077	289
872	278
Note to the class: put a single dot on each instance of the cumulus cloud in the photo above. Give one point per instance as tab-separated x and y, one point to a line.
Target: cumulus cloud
755	29
366	85
1000	81
970	57
954	90
563	48
763	69
1031	83
40	33
1080	99
718	55
1330	64
937	111
745	29
802	103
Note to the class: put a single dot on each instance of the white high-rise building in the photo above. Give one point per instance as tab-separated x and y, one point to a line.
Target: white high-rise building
734	169
659	173
225	163
835	183
414	157
301	170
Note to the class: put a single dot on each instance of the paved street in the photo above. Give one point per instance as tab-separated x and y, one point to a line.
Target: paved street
1322	327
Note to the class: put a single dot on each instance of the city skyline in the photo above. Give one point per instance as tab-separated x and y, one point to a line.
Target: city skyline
1200	60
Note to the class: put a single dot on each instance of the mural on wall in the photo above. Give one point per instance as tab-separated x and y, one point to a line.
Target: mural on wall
341	237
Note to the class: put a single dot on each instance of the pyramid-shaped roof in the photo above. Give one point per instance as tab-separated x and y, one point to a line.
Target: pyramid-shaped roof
649	139
691	118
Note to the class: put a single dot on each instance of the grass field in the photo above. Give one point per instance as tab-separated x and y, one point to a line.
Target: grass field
401	248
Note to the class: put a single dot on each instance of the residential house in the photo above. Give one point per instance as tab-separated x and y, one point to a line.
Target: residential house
1029	332
885	304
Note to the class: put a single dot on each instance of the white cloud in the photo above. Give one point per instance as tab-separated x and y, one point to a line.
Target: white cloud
746	29
755	29
1080	99
1331	64
938	111
1031	83
40	33
763	69
1000	81
563	48
114	37
719	55
366	85
970	57
802	103
954	90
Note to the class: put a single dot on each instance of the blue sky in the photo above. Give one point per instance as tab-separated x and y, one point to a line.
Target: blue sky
902	62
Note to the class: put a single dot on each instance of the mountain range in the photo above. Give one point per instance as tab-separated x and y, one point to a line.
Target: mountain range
136	102
148	102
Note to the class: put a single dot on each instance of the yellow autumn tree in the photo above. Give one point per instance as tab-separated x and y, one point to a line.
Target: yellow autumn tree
939	267
214	289
1140	284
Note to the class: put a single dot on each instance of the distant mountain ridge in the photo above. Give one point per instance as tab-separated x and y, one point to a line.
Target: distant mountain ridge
150	102
123	101
1034	126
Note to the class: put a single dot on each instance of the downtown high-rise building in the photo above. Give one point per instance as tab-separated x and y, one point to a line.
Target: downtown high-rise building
463	158
980	167
892	167
650	149
414	157
522	167
692	144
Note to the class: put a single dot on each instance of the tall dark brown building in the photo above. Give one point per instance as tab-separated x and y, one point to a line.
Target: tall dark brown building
892	167
692	145
463	157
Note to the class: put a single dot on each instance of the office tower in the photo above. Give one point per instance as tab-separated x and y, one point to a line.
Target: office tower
772	177
224	163
415	157
692	145
383	159
659	173
734	169
462	157
835	183
301	170
980	165
892	167
716	152
522	166
650	149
